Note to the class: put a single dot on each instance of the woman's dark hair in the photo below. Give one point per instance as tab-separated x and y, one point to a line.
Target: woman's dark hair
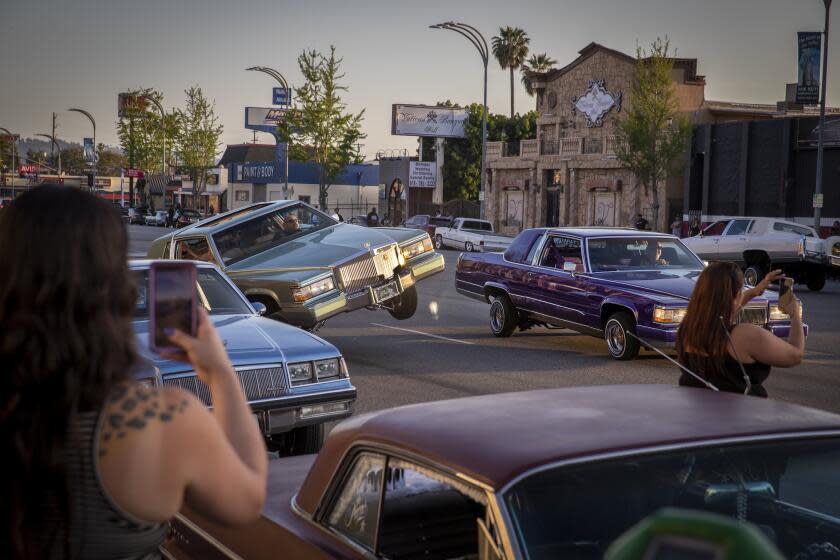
66	302
701	340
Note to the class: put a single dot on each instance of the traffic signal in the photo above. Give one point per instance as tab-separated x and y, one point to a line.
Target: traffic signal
90	180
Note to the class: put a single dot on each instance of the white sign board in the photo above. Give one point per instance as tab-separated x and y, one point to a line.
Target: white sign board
424	120
422	174
818	200
264	119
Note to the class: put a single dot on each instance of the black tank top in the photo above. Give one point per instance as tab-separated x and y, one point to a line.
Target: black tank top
732	380
100	529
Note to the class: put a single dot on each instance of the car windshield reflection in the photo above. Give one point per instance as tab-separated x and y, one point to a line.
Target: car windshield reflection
214	293
255	236
790	490
640	253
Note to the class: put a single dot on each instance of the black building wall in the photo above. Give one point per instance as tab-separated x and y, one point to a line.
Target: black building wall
762	168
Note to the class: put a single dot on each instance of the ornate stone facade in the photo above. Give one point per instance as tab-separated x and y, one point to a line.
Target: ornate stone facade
569	175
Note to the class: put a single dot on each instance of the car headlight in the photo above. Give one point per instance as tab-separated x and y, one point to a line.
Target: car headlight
327	369
309	291
776	314
416	248
668	314
300	373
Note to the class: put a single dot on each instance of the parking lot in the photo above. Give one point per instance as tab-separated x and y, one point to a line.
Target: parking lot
446	350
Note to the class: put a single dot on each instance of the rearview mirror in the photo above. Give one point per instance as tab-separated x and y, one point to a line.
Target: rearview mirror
260	308
569	267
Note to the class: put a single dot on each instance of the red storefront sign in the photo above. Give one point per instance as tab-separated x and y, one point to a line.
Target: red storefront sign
30	168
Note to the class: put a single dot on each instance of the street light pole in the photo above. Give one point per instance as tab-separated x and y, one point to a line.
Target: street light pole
93	122
57	147
477	39
820	147
284	84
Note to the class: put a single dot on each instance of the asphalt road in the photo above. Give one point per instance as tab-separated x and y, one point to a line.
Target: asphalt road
447	351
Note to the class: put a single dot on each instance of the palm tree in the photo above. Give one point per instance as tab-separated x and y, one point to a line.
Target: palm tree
538	63
510	48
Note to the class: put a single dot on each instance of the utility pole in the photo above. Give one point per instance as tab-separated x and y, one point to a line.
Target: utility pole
820	147
131	162
52	152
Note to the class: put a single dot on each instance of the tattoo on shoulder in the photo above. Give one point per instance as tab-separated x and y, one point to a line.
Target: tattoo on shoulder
133	407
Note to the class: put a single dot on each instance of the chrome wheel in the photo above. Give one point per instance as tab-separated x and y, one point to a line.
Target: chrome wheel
469	247
616	337
438	242
497	316
751	276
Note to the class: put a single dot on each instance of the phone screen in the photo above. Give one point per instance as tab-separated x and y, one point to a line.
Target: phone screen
173	301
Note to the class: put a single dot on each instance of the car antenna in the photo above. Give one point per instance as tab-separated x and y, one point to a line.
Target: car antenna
747	382
673	361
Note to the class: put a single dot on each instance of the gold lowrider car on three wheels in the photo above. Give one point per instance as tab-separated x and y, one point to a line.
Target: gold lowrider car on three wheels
306	267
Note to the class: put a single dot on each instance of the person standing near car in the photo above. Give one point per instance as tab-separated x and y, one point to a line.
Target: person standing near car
734	357
694	227
640	222
170	217
95	463
372	218
676	226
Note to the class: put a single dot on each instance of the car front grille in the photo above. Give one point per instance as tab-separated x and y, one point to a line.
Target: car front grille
258	384
754	315
368	270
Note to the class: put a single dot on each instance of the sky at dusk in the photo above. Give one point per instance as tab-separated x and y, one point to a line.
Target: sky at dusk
63	53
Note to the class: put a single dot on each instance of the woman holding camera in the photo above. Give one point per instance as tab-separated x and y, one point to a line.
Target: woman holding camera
734	357
96	464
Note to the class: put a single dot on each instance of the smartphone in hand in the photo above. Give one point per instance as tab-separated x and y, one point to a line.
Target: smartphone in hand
172	302
785	291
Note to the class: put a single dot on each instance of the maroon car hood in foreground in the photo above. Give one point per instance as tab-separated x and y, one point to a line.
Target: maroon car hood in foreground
495	438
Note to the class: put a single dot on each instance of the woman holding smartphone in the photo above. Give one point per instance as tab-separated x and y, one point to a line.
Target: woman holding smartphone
95	463
734	357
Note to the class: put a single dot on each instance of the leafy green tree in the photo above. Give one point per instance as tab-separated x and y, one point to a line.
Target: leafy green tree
537	63
652	136
197	137
318	127
109	162
5	154
141	133
510	47
73	160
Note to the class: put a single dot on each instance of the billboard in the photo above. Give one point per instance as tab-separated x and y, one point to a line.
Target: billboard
808	82
129	102
425	120
263	119
422	174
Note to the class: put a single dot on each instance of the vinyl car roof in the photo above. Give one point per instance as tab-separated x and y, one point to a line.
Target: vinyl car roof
606	232
495	439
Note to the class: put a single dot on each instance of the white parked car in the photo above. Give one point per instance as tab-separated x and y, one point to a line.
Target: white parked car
471	235
762	244
156	219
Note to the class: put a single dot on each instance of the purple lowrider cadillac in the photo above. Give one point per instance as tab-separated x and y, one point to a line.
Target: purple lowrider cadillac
597	281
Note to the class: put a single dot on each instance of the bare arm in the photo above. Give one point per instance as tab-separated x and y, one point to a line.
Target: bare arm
228	475
765	347
756	291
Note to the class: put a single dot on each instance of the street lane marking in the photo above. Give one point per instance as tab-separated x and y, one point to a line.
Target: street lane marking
423	334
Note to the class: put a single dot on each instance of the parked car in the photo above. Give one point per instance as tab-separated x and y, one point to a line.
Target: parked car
601	282
762	244
293	380
544	474
427	223
306	267
156	219
470	235
187	217
137	215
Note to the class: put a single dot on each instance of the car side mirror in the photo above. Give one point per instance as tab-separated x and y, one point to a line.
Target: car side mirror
569	267
259	307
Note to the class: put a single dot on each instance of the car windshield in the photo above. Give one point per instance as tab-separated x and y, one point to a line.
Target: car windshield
249	238
214	293
640	253
790	490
